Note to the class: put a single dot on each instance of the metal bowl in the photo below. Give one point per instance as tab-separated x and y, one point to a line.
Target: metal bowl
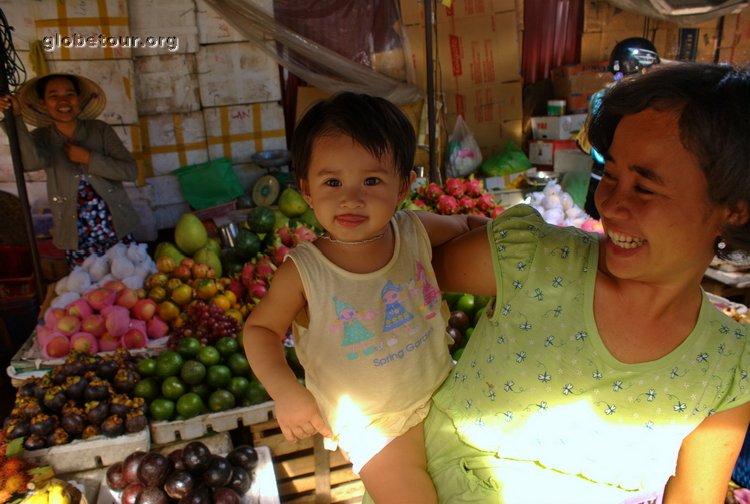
228	233
542	178
273	158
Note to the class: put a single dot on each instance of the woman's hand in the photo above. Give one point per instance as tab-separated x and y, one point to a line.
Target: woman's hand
10	102
77	154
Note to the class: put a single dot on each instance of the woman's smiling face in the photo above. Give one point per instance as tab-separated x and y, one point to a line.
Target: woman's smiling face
654	205
61	100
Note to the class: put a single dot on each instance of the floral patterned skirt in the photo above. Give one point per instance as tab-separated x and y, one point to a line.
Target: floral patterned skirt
96	232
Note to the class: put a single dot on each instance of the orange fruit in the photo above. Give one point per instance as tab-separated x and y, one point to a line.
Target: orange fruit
206	288
222	302
182	294
168	311
231	296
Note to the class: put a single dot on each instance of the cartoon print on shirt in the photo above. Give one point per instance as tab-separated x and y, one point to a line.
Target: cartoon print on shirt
395	314
356	335
430	293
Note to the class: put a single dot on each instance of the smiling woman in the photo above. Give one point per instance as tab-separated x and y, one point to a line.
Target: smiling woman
622	383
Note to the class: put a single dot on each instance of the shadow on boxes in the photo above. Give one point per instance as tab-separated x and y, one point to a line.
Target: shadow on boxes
305	471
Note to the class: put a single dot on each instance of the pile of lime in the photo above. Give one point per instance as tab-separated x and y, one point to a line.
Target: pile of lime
195	378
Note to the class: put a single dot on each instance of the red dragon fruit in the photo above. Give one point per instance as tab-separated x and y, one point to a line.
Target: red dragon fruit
454	187
302	233
466	204
432	192
447	205
485	202
285	234
473	187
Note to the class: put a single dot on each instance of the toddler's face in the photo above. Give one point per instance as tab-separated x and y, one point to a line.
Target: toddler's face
352	193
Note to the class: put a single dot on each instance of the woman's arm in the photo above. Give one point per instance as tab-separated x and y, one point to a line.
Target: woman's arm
464	264
33	155
707	457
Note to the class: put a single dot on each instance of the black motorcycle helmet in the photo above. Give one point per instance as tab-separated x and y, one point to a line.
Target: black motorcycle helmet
632	55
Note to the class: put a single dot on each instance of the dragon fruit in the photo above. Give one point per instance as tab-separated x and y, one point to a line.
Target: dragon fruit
447	205
473	187
454	187
466	203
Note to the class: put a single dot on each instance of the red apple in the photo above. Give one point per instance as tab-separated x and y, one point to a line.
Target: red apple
100	298
79	308
107	342
126	298
51	316
134	338
84	342
116	320
114	285
157	328
68	324
182	272
144	309
93	324
57	347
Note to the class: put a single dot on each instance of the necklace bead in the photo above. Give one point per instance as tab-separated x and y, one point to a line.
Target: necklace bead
355	242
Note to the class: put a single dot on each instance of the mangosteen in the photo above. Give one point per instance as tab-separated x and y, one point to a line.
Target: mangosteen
218	473
107	369
58	375
131	493
115	477
34	442
130	465
200	494
97	390
89	362
125	380
58	437
241	480
29	388
97	411
119	404
42	424
224	495
90	431
113	426
18	428
139	404
153	495
73	364
55	399
29	407
244	456
74	386
178	484
135	421
73	421
195	456
153	469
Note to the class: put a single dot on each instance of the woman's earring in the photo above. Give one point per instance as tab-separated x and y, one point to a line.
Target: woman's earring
720	244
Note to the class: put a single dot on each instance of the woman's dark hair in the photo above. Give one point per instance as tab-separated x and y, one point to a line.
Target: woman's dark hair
374	123
713	104
41	85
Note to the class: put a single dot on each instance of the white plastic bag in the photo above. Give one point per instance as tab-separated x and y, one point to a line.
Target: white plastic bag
464	156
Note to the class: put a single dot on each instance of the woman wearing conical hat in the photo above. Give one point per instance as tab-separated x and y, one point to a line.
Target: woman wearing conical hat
85	162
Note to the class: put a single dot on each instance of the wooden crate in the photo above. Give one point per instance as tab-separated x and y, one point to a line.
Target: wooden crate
305	471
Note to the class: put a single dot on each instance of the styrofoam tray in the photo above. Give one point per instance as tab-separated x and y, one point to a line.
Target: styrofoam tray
262	491
167	432
80	454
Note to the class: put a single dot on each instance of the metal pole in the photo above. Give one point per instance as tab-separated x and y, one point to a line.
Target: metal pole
15	154
435	175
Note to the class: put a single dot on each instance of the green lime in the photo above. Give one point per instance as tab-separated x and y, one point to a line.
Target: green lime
227	346
221	400
202	389
238	386
218	376
147	388
168	363
190	405
478	315
451	298
466	304
208	355
468	332
146	367
188	347
457	354
237	362
481	301
192	372
256	392
172	387
161	409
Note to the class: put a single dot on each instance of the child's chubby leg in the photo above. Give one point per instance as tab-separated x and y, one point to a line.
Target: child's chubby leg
398	473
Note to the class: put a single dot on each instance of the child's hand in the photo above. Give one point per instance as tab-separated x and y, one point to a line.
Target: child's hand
77	154
299	416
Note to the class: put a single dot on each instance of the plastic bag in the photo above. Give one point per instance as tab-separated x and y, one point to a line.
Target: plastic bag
464	155
208	184
510	160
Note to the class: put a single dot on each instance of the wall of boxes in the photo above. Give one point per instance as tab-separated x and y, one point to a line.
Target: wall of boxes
216	95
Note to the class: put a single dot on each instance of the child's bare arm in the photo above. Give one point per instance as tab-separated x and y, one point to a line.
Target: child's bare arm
296	410
443	228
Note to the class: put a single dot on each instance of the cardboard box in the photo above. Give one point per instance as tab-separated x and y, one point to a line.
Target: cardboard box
236	73
239	131
489	103
171	141
67	24
556	127
164	190
167	84
542	152
116	78
214	29
170	18
412	11
413	39
130	135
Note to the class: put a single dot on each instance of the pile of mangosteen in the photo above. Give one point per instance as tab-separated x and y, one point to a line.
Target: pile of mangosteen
189	475
86	396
